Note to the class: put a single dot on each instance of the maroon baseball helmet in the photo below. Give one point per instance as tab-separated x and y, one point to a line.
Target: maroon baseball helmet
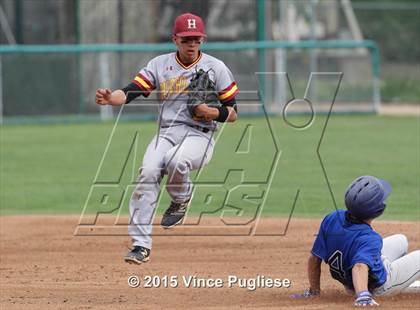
189	25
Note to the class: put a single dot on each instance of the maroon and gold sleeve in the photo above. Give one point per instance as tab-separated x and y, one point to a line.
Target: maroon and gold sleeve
144	84
228	93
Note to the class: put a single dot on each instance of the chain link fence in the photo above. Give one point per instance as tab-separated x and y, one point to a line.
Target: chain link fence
53	84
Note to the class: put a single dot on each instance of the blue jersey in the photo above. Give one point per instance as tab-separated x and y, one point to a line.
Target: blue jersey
342	243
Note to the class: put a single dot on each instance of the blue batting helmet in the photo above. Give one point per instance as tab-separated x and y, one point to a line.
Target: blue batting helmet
365	197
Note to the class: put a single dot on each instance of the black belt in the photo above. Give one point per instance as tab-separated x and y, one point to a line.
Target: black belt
203	129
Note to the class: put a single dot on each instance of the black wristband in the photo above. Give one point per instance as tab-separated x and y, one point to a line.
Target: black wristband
223	114
132	91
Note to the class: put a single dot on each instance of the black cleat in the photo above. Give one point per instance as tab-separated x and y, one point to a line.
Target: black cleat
174	214
137	255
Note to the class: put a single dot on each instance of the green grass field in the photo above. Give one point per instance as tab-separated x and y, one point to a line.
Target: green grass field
51	168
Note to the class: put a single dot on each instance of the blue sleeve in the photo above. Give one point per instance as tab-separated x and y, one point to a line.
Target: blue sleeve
368	252
319	247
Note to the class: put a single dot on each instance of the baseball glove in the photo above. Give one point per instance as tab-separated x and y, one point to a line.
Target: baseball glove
201	90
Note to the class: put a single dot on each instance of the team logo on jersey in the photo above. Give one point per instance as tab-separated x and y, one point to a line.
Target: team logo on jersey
191	24
175	85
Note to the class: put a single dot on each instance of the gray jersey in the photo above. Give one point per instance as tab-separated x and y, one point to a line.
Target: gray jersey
170	77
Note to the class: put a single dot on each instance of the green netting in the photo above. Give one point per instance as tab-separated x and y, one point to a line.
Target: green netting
61	80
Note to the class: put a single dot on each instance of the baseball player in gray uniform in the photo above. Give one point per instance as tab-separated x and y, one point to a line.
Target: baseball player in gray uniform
184	142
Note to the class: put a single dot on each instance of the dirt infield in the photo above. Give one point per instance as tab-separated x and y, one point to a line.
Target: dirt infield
43	266
400	109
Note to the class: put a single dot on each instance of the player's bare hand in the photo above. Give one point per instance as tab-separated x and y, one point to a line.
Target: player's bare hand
201	110
103	96
205	113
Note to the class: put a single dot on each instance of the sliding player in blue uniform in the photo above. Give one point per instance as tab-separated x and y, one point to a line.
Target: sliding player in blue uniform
358	257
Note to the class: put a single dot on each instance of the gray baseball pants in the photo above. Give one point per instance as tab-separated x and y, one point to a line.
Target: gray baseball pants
402	268
174	151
